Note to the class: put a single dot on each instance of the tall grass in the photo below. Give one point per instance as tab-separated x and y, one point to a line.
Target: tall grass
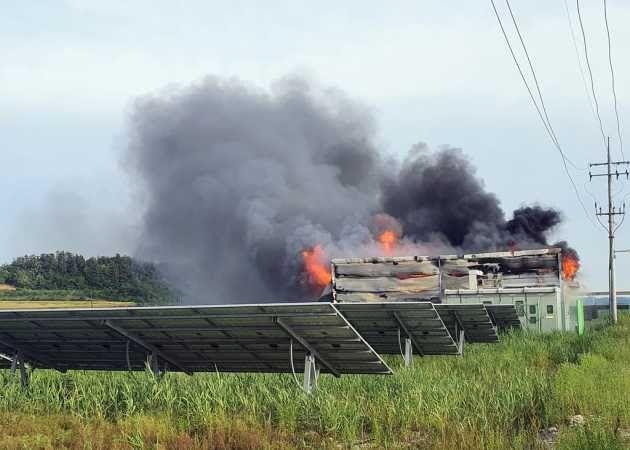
496	396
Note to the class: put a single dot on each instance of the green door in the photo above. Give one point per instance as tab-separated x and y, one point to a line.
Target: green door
533	307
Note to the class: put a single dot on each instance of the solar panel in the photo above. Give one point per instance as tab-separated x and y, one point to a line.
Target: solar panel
472	318
232	338
503	316
385	324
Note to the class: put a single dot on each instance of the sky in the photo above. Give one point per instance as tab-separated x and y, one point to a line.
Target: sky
431	71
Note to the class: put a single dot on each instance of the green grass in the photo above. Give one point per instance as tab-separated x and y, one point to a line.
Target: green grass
496	397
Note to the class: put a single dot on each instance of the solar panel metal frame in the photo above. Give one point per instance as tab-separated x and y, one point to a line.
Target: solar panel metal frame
224	338
504	316
5	361
385	324
472	318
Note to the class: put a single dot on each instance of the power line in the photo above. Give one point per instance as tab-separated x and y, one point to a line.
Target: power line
531	68
612	77
595	203
520	71
531	96
590	72
545	122
589	99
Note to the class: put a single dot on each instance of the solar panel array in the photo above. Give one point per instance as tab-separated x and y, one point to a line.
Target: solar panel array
472	318
382	325
343	338
504	316
239	338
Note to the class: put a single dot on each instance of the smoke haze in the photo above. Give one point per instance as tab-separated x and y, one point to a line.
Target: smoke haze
238	181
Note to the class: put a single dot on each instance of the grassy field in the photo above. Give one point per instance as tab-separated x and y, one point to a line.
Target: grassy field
58	294
11	298
52	303
495	397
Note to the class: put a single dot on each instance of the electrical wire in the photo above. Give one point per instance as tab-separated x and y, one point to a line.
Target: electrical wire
623	217
292	365
531	68
595	201
547	125
589	99
590	72
612	78
531	96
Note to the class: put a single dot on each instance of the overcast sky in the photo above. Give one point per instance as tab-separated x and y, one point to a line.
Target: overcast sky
430	71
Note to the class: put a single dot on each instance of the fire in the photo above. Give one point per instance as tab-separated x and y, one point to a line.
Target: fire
388	240
316	266
570	266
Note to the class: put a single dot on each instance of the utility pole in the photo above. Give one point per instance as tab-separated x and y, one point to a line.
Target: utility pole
611	213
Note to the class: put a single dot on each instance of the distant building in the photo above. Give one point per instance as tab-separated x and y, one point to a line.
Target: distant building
596	304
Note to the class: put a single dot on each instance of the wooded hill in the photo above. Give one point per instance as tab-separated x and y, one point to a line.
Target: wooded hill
117	277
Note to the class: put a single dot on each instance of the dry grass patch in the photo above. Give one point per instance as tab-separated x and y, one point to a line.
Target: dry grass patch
47	304
22	431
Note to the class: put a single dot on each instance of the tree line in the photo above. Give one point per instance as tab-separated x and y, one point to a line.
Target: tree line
116	277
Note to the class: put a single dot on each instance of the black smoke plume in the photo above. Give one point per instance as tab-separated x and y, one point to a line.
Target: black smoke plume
437	192
238	181
533	223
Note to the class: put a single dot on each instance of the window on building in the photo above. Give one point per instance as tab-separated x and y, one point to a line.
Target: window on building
550	310
532	319
532	309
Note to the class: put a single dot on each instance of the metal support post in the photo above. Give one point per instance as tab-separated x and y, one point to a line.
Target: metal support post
153	364
18	364
23	374
409	337
310	374
408	352
459	333
460	344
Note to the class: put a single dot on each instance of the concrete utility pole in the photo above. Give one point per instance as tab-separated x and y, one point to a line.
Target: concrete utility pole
611	213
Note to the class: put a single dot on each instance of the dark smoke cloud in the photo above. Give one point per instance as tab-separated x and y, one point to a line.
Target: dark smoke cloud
238	181
438	192
533	222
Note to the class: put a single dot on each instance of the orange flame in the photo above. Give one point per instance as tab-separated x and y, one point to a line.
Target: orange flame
317	270
570	266
388	240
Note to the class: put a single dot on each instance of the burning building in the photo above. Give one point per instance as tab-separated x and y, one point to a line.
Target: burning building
248	193
539	283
